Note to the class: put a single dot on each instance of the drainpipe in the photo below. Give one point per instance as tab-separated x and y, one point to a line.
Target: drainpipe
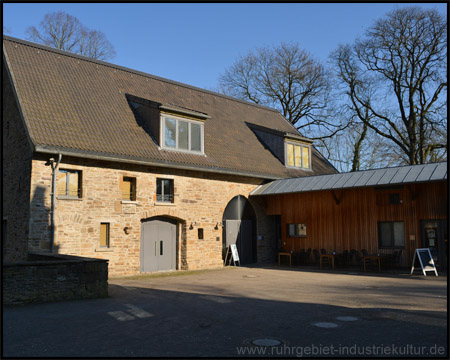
54	166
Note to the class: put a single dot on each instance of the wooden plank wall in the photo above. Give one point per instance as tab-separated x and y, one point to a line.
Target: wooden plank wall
348	218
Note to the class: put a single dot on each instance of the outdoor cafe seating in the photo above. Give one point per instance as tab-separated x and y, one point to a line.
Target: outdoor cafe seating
347	258
377	259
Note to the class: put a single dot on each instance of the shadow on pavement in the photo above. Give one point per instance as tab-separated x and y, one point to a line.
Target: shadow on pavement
208	321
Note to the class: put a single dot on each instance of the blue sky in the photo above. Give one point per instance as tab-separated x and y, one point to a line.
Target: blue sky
194	43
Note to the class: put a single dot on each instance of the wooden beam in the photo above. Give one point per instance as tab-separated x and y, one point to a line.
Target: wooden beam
413	193
336	199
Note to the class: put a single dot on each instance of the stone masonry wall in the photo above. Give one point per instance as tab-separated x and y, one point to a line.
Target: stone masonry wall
16	168
199	197
48	278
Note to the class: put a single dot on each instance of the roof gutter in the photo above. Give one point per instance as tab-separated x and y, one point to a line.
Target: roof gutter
45	150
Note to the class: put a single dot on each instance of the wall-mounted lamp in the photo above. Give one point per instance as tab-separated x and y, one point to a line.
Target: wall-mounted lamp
127	229
217	225
50	162
192	225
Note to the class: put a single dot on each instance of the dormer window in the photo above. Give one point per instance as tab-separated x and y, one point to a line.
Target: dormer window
171	127
298	155
181	134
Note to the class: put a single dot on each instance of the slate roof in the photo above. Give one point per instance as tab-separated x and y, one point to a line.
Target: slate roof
77	105
378	177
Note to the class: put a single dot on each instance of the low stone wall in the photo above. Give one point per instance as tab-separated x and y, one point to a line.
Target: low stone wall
46	278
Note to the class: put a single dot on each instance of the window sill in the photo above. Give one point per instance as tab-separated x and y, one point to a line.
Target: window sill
129	202
164	204
104	250
183	151
298	168
68	198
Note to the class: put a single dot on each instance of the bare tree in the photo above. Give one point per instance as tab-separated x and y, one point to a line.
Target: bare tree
6	30
351	80
396	83
94	44
65	32
288	79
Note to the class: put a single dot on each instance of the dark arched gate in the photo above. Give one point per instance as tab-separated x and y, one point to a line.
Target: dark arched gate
240	228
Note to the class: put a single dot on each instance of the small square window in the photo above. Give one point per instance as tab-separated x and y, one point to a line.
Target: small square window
391	234
296	230
394	199
129	188
164	190
69	183
104	235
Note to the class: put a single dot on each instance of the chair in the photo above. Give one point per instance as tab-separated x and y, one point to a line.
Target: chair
316	256
282	250
343	259
368	261
396	258
298	256
304	256
347	258
357	258
352	256
307	255
325	260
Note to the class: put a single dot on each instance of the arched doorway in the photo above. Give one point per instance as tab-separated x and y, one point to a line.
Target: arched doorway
239	221
158	244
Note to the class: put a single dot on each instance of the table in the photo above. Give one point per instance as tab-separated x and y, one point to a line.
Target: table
327	256
288	254
378	258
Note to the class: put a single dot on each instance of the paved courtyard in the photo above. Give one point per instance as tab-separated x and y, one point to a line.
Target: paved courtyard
226	312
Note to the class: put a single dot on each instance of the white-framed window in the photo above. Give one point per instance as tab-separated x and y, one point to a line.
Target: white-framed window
298	155
182	134
164	190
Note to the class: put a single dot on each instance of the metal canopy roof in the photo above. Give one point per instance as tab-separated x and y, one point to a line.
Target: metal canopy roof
377	177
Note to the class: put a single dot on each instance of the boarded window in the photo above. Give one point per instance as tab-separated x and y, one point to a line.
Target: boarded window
129	188
104	235
69	183
391	234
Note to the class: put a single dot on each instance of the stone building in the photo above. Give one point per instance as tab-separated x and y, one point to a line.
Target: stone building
107	162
